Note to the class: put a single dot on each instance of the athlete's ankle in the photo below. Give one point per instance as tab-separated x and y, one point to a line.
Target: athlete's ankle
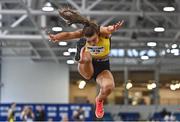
99	99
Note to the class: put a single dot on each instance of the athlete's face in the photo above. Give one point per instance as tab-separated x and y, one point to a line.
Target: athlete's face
93	39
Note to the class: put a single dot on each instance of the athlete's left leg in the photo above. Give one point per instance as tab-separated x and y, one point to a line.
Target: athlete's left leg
106	82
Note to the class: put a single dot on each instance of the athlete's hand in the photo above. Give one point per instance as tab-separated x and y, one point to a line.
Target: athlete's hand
52	38
116	26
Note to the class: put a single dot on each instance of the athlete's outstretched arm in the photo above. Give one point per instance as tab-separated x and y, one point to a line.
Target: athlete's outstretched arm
111	28
65	36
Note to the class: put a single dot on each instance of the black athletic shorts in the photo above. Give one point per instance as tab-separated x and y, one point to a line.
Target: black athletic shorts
100	65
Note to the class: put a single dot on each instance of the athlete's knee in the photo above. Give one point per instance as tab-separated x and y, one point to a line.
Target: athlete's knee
84	75
108	87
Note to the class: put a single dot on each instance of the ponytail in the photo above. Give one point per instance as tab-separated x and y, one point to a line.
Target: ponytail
73	17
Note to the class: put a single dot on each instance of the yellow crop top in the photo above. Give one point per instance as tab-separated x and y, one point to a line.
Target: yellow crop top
100	49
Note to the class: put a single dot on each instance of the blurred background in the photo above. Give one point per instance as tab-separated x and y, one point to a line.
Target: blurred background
145	60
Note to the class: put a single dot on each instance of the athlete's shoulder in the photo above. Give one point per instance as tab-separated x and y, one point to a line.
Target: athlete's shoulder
104	31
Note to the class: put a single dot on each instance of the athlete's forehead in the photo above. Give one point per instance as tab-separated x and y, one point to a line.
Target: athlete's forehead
92	37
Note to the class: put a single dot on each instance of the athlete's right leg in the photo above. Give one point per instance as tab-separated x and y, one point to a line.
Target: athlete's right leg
85	66
84	60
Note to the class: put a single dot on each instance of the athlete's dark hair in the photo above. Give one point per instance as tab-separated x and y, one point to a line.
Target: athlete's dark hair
73	17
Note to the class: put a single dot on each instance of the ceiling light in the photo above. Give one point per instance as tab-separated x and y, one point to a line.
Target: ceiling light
172	87
149	87
66	53
177	85
71	50
176	54
169	8
174	46
175	51
144	57
159	29
151	44
82	84
129	85
70	61
62	43
153	85
168	50
57	29
48	7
